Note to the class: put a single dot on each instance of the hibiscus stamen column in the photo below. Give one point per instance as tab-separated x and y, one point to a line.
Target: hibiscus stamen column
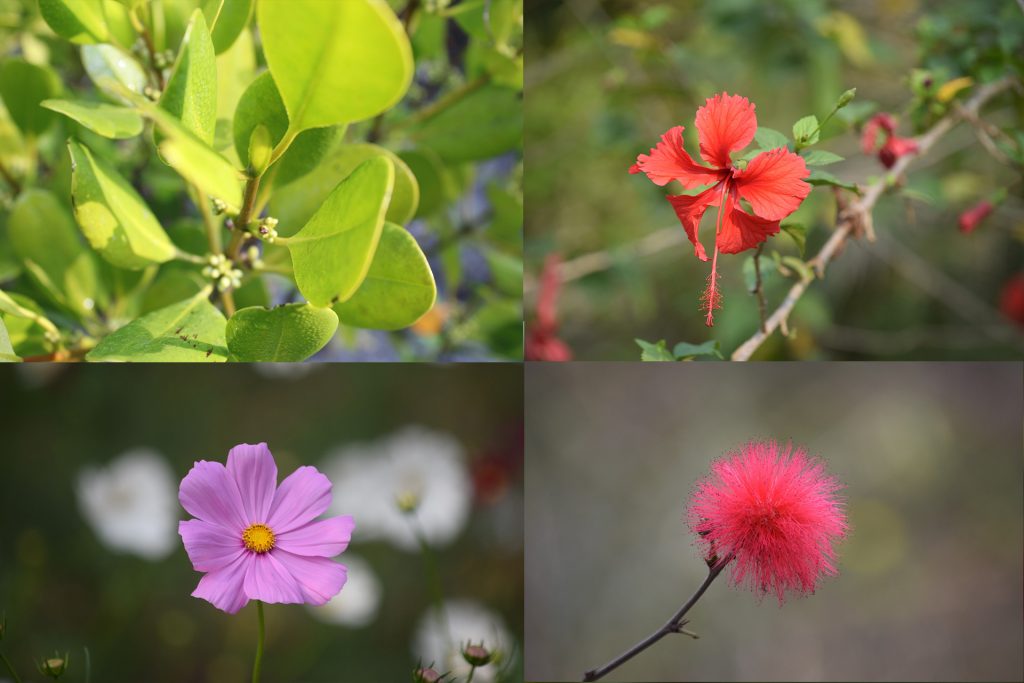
712	298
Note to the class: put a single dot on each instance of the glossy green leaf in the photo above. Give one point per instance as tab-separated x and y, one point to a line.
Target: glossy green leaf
769	138
436	183
191	92
654	352
197	162
119	23
819	177
820	157
294	204
303	155
483	124
23	86
80	21
114	71
684	350
506	272
332	253
227	19
798	233
31	332
399	288
110	121
335	62
44	238
112	215
7	354
805	131
188	331
286	334
235	70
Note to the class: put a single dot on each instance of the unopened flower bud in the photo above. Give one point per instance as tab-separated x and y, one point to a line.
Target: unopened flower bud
223	284
476	655
219	206
229	224
425	675
407	502
55	666
846	98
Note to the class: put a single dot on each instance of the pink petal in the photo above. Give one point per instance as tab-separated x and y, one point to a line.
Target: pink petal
209	546
323	538
225	587
725	124
300	499
269	581
255	472
210	493
319	578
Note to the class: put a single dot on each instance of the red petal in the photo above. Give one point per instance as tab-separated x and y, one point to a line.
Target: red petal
773	183
547	299
894	148
869	136
741	231
690	210
725	123
669	161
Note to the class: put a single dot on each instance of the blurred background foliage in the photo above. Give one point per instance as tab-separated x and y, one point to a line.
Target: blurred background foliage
63	588
929	585
607	78
467	163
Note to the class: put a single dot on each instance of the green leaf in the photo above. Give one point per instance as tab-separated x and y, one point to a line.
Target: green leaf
800	266
80	21
683	350
22	87
435	180
819	177
294	204
45	239
335	62
399	288
820	157
7	354
31	332
112	215
798	233
197	162
483	124
114	71
188	331
769	138
332	253
654	352
286	334
235	69
805	131
191	92
227	20
506	272
113	122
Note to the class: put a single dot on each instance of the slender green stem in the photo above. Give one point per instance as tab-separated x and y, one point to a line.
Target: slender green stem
7	663
443	103
472	670
433	576
259	644
252	188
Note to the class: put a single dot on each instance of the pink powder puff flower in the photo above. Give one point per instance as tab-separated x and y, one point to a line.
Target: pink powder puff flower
256	540
775	511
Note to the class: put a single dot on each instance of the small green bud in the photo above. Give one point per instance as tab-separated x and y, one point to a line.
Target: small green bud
219	206
260	149
846	98
55	666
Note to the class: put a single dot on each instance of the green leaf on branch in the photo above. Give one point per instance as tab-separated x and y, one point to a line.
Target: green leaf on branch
80	21
686	351
819	177
800	266
654	352
45	239
294	204
7	354
769	138
114	71
335	62
798	233
331	254
188	331
483	124
820	157
227	19
110	121
31	332
191	92
112	215
805	131
286	334
23	86
399	288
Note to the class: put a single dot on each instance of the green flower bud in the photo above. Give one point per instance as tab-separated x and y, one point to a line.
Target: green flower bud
846	98
55	666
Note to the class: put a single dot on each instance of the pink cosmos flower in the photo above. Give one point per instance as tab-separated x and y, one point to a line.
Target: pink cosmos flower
774	510
256	540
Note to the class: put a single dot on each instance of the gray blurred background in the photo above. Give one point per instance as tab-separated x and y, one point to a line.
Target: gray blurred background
930	584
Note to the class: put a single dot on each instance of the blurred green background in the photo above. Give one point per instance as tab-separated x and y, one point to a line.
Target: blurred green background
607	78
62	588
929	585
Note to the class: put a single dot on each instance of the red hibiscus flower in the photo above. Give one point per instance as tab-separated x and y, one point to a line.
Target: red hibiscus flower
772	183
970	219
894	146
1011	301
543	343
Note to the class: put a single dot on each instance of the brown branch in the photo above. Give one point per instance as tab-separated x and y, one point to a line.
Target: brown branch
857	216
762	306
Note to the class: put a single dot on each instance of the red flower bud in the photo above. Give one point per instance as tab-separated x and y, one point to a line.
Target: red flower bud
970	219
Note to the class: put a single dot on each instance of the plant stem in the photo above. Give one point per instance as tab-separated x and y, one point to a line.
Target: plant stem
10	668
443	103
245	216
472	670
259	644
762	307
673	625
433	576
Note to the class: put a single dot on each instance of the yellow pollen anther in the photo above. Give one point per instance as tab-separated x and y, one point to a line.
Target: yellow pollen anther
258	538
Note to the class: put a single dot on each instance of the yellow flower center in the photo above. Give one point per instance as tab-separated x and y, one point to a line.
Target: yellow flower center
258	538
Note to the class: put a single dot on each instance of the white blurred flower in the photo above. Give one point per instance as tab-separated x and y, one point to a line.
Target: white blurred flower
414	465
357	603
467	621
131	503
